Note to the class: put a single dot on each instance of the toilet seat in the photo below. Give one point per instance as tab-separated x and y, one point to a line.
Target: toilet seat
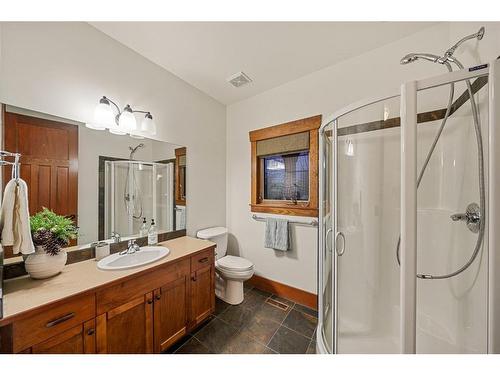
233	263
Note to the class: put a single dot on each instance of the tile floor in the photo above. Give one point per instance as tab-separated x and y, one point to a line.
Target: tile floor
262	324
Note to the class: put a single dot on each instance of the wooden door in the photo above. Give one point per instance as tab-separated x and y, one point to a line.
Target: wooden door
170	313
202	294
127	329
77	340
49	161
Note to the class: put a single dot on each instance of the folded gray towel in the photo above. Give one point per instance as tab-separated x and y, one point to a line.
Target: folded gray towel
277	235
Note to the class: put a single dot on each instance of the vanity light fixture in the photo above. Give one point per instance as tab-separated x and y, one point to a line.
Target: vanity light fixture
121	122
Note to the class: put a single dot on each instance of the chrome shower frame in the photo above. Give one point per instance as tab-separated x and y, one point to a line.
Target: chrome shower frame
408	217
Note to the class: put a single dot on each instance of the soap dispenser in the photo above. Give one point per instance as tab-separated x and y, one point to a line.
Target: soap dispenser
152	234
143	232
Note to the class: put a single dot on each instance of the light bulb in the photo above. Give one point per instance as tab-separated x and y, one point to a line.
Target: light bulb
148	126
127	122
103	115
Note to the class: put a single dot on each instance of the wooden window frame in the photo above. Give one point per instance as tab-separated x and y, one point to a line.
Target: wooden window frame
301	208
179	200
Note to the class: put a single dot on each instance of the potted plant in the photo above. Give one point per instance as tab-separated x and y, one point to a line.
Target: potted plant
50	233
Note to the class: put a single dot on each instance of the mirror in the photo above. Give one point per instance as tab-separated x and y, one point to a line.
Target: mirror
108	184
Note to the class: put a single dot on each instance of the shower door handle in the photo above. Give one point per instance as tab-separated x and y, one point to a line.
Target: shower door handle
339	249
328	232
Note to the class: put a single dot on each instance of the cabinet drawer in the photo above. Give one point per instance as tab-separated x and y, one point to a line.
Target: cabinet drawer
201	260
52	320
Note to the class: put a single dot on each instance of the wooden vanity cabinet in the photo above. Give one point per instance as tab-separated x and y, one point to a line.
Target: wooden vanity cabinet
179	297
146	313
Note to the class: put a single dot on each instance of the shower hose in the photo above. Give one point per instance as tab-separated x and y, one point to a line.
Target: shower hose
479	142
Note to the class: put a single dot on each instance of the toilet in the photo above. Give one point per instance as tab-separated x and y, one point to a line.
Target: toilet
231	271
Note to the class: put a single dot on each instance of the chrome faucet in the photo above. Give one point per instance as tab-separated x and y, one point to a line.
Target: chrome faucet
131	248
115	236
472	217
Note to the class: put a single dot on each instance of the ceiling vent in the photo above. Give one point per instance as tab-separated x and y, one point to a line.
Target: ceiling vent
239	79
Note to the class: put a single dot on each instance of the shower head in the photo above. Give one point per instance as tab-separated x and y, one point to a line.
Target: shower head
448	55
133	150
411	57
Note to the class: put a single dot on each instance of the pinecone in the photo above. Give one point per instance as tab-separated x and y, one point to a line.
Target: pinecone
51	244
41	236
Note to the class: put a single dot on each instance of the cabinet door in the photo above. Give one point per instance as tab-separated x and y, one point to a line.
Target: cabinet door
127	329
77	340
170	313
202	294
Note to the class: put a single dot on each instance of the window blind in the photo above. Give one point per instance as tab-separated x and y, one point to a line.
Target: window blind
283	144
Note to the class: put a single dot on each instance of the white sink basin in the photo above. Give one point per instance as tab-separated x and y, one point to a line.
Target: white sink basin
147	254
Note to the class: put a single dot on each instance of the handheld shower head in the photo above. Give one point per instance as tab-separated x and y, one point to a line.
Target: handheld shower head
133	150
411	57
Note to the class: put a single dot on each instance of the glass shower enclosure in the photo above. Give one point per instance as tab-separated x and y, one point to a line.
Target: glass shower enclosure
387	243
134	190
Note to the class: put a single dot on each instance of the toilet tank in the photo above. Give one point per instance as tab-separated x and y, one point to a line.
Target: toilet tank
217	235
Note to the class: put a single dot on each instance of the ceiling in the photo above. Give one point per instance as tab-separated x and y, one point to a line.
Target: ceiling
205	54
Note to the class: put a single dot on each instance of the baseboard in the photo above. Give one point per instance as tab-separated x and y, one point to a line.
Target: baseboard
286	291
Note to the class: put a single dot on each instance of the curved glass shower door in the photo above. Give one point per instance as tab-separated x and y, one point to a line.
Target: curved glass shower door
367	202
326	301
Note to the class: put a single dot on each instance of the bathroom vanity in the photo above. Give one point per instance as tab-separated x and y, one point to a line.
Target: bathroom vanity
87	310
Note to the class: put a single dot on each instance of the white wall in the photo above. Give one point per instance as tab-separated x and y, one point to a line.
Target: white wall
64	68
324	92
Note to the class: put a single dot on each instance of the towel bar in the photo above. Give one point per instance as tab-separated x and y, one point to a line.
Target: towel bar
312	223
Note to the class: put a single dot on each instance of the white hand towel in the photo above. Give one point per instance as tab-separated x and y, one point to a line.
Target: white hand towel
15	218
277	234
7	214
23	243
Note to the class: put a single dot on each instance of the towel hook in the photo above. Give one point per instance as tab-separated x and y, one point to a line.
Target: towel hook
15	168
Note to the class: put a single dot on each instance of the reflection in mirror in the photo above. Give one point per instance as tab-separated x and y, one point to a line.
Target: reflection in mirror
109	185
136	192
180	187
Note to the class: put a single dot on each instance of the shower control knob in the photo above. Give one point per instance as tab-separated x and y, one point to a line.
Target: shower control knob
472	217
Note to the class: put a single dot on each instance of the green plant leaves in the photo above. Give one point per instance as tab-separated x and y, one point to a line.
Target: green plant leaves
62	227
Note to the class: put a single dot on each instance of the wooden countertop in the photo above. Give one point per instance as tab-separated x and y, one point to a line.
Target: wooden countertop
23	294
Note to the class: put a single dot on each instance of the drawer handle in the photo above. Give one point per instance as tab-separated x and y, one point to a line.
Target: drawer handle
60	320
193	278
91	331
203	260
150	301
158	297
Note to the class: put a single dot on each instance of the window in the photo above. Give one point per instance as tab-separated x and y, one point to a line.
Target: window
286	177
285	168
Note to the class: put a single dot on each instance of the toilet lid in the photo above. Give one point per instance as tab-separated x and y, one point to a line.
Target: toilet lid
230	262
